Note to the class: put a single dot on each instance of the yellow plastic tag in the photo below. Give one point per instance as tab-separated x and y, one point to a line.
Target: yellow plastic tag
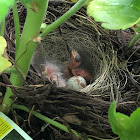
4	127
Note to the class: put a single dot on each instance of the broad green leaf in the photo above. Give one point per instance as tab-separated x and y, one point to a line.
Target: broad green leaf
4	7
4	63
128	128
115	14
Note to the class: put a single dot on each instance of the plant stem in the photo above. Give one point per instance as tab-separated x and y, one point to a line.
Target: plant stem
17	27
47	120
63	18
134	39
26	48
2	27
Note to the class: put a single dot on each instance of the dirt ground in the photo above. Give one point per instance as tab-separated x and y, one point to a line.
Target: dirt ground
85	112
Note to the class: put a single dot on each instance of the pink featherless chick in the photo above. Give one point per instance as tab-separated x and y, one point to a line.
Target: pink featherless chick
53	73
80	65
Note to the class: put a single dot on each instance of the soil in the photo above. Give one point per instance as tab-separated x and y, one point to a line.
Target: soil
85	113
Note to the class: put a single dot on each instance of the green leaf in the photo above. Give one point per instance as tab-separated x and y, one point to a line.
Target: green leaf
4	7
115	14
4	63
128	128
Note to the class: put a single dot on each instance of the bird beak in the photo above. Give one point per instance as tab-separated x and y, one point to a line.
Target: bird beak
74	53
75	60
76	56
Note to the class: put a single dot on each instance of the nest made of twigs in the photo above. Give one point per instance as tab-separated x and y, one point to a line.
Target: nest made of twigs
82	33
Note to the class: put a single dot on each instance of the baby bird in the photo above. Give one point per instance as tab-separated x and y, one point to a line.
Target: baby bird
53	73
80	65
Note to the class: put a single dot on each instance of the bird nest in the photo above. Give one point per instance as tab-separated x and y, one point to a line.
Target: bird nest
82	33
85	111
